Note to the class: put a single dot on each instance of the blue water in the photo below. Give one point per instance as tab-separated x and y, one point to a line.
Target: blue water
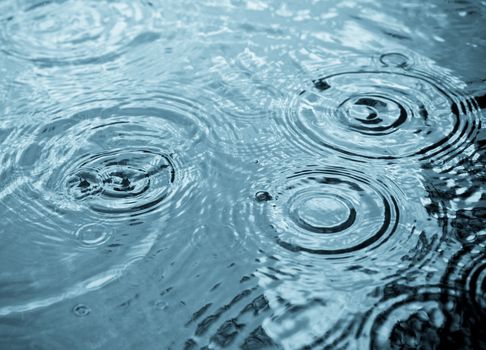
242	174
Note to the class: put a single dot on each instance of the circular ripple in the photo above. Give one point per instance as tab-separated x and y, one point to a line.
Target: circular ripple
395	59
427	317
82	181
467	272
122	181
119	161
81	310
333	210
73	32
408	320
347	226
386	113
93	235
477	285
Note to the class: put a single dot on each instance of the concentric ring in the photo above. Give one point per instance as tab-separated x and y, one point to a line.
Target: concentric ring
381	113
467	273
412	318
423	316
320	210
341	225
122	181
58	32
121	160
83	180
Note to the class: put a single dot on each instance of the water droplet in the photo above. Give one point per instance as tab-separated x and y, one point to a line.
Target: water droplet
321	84
263	196
394	59
93	235
81	310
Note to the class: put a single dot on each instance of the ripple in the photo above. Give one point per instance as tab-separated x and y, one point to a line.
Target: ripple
244	86
122	181
93	235
426	316
70	32
382	113
348	225
320	209
406	320
241	97
81	310
83	181
467	272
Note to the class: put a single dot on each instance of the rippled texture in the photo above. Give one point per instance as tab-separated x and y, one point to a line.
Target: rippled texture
242	174
85	184
383	114
322	209
70	32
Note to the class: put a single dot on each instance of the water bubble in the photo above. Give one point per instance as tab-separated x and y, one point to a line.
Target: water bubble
263	196
93	235
81	310
395	59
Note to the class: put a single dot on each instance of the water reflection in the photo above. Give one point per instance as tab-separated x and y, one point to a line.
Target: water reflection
241	174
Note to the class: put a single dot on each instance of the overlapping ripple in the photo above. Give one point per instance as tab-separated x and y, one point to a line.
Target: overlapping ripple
241	98
83	186
467	272
348	224
314	196
429	316
381	109
72	32
323	228
122	180
408	318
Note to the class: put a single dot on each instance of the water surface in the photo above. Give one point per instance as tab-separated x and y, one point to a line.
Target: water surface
242	174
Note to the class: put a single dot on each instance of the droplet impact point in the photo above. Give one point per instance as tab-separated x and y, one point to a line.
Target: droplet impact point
93	235
394	59
81	310
263	196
